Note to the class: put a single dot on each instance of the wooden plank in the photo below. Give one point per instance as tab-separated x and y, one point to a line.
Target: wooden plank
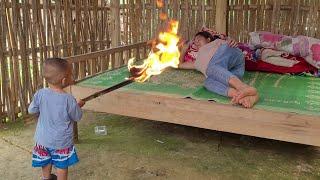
221	16
288	127
83	57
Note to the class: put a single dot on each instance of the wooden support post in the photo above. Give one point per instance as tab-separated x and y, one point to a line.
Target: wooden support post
203	13
275	16
45	21
221	16
115	26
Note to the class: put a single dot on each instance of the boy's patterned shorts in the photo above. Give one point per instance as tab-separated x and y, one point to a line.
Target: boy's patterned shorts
61	158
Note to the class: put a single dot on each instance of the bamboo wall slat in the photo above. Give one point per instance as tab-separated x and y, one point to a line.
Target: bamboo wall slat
289	17
33	30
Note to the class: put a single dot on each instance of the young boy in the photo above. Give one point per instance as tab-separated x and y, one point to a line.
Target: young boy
57	111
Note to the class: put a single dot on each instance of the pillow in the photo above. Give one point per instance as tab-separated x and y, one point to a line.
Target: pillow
191	52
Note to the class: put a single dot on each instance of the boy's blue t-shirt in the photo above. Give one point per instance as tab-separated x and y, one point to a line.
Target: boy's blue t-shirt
57	113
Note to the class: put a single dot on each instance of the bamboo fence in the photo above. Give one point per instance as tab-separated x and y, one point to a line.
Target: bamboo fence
33	30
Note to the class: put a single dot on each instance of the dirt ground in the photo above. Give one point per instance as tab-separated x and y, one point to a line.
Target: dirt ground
142	149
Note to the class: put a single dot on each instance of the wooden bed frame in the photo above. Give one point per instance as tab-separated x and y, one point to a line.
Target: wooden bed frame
290	127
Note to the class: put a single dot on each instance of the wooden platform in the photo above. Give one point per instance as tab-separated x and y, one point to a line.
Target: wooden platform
290	127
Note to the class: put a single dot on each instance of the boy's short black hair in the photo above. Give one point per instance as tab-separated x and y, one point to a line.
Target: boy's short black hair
55	69
207	35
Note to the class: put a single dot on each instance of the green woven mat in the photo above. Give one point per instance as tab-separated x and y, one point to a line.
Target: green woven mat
277	92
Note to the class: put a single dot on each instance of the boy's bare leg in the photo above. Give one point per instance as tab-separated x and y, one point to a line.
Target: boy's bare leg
249	101
242	88
46	171
62	174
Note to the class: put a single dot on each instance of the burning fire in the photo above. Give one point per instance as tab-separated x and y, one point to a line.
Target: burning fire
164	54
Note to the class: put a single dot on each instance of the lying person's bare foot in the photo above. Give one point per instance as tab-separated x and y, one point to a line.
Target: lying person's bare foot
246	91
233	93
249	101
234	100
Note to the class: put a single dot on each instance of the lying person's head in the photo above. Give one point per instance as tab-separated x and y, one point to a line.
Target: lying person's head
57	72
203	38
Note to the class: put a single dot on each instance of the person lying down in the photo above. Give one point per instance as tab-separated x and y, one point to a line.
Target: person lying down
223	65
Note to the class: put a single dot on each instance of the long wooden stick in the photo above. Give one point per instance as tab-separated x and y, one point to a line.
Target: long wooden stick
107	90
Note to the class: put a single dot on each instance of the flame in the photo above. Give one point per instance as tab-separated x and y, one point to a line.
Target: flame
163	16
164	54
160	3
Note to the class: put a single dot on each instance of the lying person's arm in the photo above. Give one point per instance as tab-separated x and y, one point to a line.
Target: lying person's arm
183	52
232	43
186	65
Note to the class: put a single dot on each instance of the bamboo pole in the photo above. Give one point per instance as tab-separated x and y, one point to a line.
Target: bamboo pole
45	24
275	16
33	39
41	34
57	28
93	35
5	93
24	24
79	33
15	73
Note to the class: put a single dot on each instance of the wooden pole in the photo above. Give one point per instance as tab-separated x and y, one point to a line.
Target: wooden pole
275	16
115	28
221	16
